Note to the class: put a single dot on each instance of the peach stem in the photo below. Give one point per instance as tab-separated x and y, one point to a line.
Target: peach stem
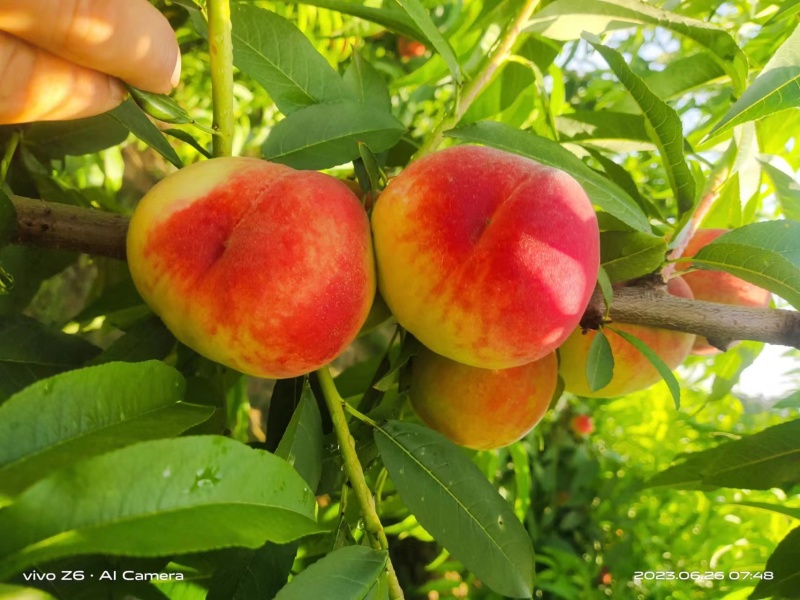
476	85
355	472
221	58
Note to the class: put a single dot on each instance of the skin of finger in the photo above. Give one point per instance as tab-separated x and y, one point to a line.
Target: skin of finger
128	39
38	86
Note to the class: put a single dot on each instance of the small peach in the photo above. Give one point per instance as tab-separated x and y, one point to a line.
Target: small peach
481	408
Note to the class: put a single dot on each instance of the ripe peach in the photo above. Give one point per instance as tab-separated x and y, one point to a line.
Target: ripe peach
408	48
481	408
255	265
632	371
487	257
582	425
718	286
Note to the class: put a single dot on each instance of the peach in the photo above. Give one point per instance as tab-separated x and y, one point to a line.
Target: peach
632	371
481	408
255	265
487	257
408	48
718	286
582	425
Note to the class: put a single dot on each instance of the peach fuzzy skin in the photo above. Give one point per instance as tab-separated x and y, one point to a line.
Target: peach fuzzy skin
718	286
632	371
481	408
487	257
255	265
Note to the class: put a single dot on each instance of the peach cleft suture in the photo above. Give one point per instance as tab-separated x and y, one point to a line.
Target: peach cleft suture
255	265
487	257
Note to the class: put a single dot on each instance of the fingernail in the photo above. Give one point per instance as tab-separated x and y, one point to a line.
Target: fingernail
176	74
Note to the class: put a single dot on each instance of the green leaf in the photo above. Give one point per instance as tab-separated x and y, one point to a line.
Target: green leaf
419	14
252	574
784	564
568	19
160	106
787	9
410	348
395	20
327	135
599	363
687	474
345	574
148	339
30	351
280	58
510	81
768	459
301	444
790	401
187	138
157	498
605	286
29	266
374	177
684	74
603	126
605	194
777	508
765	254
626	255
787	190
655	360
456	504
8	219
130	116
663	123
17	592
55	139
776	88
366	84
62	420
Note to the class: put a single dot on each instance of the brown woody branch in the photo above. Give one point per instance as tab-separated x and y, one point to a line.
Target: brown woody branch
66	227
103	234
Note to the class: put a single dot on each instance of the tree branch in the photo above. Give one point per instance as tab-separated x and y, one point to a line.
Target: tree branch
100	233
67	227
721	324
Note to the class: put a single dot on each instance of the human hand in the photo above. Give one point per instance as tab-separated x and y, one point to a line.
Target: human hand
66	59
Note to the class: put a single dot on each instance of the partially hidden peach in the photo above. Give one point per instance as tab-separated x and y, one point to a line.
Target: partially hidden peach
255	265
718	286
408	48
487	257
632	371
481	408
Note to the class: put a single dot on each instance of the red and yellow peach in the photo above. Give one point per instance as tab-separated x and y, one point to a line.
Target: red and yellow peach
481	408
255	265
487	257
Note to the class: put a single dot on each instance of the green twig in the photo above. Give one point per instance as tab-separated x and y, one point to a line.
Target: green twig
11	148
476	85
355	473
358	414
221	50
